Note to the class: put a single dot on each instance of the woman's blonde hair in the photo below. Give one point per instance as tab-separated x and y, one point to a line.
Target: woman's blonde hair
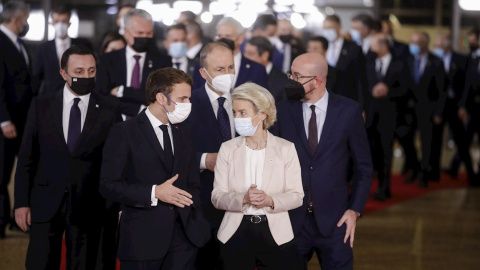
261	99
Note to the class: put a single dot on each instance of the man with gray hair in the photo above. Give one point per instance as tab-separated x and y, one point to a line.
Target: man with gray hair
15	95
245	69
122	74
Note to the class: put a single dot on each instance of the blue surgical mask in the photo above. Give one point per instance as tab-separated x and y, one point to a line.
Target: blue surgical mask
439	52
330	34
356	37
178	49
244	126
414	49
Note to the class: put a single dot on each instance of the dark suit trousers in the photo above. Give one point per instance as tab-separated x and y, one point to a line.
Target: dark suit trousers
405	133
44	249
252	246
428	130
180	256
332	253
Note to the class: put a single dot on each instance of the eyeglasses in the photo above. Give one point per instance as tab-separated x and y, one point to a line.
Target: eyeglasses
295	77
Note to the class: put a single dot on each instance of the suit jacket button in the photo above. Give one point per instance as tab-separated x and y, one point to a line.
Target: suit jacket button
311	167
171	207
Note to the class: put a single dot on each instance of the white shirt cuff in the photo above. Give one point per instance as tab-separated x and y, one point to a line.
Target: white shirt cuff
141	108
202	161
120	91
153	200
5	123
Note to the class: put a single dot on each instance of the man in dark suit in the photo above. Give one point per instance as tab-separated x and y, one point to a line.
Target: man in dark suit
260	50
15	96
319	44
150	167
387	81
291	46
362	29
428	76
397	48
245	69
212	121
122	74
57	177
348	62
194	45
455	68
47	66
176	45
327	130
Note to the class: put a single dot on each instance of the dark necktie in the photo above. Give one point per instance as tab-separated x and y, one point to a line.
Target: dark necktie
223	120
20	50
312	132
177	65
379	70
135	82
167	148
416	70
74	126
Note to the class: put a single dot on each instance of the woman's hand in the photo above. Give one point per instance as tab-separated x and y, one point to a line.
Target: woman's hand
257	198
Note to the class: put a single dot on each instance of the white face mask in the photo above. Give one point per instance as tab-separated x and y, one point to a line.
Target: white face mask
61	29
222	83
181	112
330	34
244	126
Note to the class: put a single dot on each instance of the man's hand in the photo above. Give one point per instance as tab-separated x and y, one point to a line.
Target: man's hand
462	114
350	218
114	91
168	193
23	217
380	90
9	131
437	120
210	161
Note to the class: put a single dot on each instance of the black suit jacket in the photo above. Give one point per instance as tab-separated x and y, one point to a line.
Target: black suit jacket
430	92
471	94
15	84
47	66
399	50
46	167
455	77
133	161
112	72
276	83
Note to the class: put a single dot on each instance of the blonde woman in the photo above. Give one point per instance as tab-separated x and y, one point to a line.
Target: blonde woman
257	180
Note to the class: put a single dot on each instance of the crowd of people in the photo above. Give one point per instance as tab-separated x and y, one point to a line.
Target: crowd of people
248	150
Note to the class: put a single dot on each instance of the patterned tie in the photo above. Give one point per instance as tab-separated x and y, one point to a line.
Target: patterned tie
312	132
135	82
416	70
223	120
74	126
167	148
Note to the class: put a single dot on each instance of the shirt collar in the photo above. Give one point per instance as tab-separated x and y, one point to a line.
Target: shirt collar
154	120
59	40
212	96
269	67
130	53
12	36
193	51
322	104
69	96
338	43
237	58
386	58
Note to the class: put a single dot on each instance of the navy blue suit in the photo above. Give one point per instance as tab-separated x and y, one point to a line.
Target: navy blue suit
324	174
249	72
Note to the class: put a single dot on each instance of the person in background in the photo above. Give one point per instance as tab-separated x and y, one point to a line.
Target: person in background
194	45
362	29
292	46
112	41
397	48
176	45
319	44
124	9
15	95
47	66
186	17
473	38
257	181
260	50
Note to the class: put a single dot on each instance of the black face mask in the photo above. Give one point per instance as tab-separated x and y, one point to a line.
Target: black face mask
82	86
25	29
141	44
230	43
285	38
295	90
473	48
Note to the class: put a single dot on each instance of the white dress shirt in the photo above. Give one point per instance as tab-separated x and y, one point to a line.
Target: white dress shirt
213	97
183	63
237	61
159	133
62	45
67	107
333	52
366	44
447	59
268	67
193	51
385	60
255	160
320	112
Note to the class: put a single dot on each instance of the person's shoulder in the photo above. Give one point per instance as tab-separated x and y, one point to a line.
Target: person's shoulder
104	102
281	142
347	104
197	92
251	64
44	45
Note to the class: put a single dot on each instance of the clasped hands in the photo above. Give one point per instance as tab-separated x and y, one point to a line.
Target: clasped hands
168	193
257	198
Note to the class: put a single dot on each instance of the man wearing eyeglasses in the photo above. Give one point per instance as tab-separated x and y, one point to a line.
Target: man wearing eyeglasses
325	143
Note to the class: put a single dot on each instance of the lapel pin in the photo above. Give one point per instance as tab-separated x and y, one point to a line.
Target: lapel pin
344	52
150	64
248	66
176	127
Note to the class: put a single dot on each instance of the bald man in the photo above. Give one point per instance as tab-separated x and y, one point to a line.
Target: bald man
327	130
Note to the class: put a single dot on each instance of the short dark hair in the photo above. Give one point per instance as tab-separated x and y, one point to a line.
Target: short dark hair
263	45
377	26
474	31
178	26
62	10
195	28
109	37
365	19
322	40
209	48
191	17
79	50
334	18
162	80
11	10
263	21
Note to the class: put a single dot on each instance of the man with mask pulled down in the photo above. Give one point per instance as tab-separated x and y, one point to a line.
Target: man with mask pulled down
122	74
57	177
49	53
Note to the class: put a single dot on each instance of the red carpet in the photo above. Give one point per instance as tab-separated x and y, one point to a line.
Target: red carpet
400	193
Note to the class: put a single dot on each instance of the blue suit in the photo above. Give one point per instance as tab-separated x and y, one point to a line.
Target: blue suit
249	71
324	174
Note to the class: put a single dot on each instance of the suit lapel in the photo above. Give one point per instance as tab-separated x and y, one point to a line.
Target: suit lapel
210	118
297	117
90	120
147	67
149	133
57	115
53	52
239	155
427	70
177	143
330	119
269	162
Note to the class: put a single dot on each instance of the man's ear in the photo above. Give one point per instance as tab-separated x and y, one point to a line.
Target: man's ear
160	97
203	73
63	74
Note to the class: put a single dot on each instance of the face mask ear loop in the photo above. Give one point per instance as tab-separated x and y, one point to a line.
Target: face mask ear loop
170	100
